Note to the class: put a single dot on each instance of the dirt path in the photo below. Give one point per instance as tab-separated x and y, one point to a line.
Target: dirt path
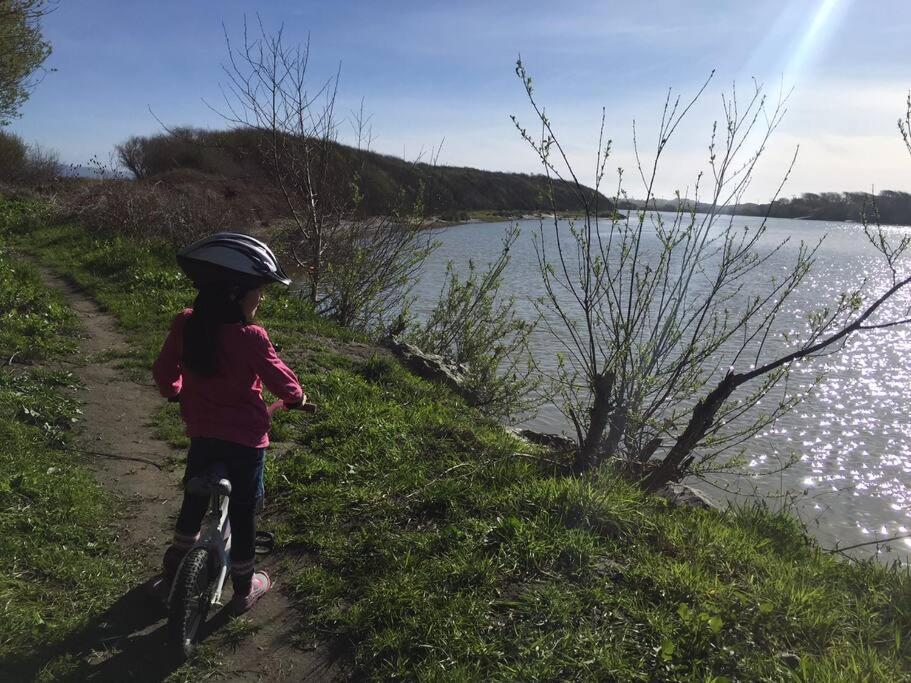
128	642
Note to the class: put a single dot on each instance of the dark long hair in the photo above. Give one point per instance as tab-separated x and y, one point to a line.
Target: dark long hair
214	307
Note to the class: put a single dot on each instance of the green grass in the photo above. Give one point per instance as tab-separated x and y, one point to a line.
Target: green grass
55	545
419	543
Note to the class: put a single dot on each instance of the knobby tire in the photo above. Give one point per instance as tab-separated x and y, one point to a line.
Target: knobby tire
190	600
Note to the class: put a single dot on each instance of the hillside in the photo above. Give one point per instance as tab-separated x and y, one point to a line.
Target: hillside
235	160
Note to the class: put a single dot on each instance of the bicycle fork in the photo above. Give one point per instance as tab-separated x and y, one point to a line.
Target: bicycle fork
218	537
216	540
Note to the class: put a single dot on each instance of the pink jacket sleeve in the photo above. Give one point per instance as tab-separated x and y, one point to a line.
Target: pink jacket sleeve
167	369
278	377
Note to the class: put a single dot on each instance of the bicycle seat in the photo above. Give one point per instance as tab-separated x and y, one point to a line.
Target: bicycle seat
213	480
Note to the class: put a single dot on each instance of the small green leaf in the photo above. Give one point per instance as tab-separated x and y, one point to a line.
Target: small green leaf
766	607
667	649
715	624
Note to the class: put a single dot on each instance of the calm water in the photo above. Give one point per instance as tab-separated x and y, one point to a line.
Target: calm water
853	480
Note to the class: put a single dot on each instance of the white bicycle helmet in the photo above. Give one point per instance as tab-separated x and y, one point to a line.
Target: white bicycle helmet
231	258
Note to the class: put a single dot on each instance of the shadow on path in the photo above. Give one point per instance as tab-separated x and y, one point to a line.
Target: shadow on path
128	641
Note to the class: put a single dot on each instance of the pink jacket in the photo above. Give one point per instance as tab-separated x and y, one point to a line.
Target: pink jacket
229	405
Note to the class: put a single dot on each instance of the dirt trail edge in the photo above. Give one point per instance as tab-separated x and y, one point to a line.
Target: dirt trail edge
128	642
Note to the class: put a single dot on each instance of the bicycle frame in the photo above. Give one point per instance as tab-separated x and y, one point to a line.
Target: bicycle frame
218	536
216	539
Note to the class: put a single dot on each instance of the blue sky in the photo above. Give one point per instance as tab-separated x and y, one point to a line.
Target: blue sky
433	70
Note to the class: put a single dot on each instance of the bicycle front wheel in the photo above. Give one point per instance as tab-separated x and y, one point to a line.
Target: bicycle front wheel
190	600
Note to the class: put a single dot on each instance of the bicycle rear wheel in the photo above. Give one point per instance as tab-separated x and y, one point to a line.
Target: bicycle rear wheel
190	600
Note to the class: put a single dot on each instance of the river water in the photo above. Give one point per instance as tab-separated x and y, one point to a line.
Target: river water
852	480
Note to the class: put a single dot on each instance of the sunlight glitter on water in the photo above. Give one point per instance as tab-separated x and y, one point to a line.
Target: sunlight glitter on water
855	427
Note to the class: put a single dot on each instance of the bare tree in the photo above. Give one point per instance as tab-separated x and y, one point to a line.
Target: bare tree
664	322
268	91
131	154
356	268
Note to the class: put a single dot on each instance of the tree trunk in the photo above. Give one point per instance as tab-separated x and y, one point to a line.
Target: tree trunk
649	449
315	267
702	419
588	455
619	420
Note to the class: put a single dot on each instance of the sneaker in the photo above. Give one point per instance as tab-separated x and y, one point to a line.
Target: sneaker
259	586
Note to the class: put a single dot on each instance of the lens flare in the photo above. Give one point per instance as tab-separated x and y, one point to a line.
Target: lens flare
812	40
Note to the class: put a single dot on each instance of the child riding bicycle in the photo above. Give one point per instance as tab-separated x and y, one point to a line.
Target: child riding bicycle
215	362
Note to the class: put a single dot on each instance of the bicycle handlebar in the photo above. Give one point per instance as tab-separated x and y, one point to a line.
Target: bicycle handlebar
280	405
272	408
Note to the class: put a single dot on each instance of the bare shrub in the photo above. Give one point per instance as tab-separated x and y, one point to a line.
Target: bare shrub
12	155
25	164
42	165
145	210
371	266
473	325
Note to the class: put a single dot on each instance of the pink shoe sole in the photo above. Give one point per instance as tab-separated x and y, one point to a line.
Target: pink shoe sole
259	586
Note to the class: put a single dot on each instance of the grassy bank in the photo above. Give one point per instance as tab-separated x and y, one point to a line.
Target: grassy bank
55	544
421	544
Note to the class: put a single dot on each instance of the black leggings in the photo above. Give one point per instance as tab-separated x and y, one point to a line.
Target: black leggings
244	471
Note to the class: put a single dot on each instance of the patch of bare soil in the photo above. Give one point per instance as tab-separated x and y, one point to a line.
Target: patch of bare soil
129	641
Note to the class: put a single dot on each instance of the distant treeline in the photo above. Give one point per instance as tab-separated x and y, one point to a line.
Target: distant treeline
384	182
888	207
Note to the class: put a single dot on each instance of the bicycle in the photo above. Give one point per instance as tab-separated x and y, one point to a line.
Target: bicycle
201	574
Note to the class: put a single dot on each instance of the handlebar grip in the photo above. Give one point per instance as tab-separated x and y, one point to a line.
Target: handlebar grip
280	405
